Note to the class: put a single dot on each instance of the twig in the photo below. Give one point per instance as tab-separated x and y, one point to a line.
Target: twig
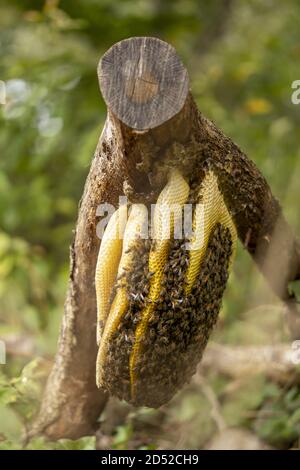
276	361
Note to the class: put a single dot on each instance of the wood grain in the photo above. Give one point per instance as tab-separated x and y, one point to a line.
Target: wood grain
143	82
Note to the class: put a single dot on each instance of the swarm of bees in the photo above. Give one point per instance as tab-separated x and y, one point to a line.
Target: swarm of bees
162	297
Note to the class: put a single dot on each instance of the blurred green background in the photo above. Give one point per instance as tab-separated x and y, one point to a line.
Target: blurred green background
242	57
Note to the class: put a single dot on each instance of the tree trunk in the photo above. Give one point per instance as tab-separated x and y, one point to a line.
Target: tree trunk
152	118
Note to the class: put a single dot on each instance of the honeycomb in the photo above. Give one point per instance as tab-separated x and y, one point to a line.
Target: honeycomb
159	298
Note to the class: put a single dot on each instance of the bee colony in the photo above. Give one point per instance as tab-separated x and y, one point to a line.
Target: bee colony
163	294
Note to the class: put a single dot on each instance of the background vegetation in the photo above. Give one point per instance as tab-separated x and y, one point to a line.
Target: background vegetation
242	57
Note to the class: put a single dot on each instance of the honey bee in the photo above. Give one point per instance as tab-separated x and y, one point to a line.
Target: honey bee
165	302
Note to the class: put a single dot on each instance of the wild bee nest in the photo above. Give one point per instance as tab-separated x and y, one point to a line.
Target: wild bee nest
164	304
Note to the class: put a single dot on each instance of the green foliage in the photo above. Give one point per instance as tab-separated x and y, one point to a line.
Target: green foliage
242	60
122	436
278	421
244	400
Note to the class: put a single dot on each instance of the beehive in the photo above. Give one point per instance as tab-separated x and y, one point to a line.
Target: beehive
159	307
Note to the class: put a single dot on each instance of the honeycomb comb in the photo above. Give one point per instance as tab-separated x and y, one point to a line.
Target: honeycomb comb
166	295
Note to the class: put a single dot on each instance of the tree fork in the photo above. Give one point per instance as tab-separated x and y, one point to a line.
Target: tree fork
152	118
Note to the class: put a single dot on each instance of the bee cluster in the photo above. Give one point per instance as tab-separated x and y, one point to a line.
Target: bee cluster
179	325
116	367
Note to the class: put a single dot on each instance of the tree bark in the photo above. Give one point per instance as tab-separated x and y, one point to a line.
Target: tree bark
152	122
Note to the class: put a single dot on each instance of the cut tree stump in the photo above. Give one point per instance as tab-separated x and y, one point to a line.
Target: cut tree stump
151	118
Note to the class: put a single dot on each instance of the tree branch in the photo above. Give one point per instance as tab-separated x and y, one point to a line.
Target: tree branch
152	122
275	361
